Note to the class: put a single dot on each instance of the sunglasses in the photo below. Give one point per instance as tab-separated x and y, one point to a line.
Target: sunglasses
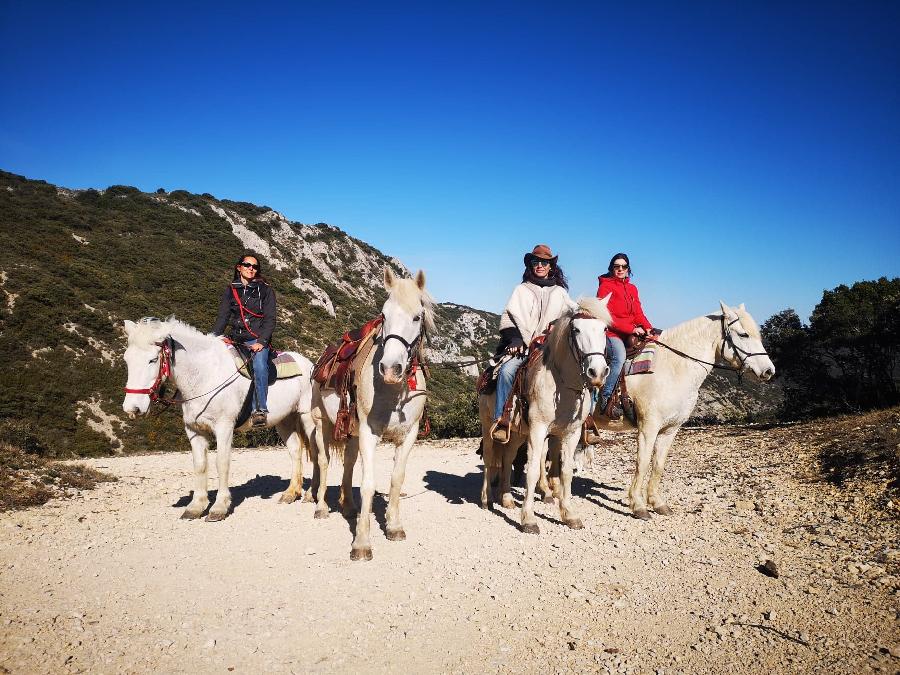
246	264
537	262
620	267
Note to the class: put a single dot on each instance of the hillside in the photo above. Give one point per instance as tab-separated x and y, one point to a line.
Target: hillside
79	262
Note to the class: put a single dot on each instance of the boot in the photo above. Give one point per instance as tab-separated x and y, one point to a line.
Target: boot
258	419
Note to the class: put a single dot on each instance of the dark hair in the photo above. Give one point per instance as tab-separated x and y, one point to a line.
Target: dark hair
624	256
556	274
249	254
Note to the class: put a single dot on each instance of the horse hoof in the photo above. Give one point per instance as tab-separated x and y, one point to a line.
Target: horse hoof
641	514
192	515
547	498
320	513
663	510
287	498
361	554
530	528
308	497
396	535
216	516
508	502
574	523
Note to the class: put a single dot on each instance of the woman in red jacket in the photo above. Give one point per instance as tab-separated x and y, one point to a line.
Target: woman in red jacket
628	317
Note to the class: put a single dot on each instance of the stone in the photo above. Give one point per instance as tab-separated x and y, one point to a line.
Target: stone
744	505
769	568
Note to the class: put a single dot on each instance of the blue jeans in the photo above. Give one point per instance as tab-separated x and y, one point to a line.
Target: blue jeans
615	349
505	380
260	376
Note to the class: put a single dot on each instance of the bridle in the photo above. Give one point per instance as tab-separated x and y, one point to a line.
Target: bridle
580	356
741	354
413	349
167	348
162	375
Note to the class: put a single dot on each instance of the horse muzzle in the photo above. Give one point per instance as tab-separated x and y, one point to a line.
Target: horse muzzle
392	374
596	373
134	406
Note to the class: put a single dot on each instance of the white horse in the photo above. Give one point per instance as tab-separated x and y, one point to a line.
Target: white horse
387	408
665	397
213	392
559	401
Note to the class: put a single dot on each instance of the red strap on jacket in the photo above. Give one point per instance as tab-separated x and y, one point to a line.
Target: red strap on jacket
237	299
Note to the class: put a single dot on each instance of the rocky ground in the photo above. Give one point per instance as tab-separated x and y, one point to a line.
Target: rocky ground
113	581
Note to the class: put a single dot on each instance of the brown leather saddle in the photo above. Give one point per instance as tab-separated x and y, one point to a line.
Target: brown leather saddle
336	369
518	392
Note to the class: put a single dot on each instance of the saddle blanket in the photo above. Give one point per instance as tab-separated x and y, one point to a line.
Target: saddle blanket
643	362
285	365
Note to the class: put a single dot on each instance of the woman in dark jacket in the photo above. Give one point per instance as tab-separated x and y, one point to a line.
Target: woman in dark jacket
248	307
628	317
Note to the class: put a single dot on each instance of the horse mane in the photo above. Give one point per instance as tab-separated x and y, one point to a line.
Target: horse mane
589	305
150	330
694	330
409	296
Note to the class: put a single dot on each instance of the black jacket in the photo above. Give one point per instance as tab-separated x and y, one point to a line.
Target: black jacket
256	296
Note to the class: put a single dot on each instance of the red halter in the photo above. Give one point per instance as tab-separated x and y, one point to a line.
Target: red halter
165	369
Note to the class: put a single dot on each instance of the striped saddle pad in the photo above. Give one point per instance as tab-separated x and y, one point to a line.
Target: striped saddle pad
283	362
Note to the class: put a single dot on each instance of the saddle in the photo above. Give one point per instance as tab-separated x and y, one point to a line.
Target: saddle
639	352
516	405
281	364
336	369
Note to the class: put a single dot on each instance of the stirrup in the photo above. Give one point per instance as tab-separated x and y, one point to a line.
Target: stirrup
500	432
589	435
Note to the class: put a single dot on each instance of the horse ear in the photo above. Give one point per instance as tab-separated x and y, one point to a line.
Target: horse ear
420	280
129	326
726	310
742	308
604	301
388	278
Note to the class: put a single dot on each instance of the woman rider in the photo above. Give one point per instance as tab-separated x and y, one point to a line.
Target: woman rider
542	297
627	314
248	306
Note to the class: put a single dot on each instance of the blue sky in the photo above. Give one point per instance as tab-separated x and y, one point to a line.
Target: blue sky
743	152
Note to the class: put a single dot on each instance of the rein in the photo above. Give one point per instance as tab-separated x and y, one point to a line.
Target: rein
726	340
580	356
165	371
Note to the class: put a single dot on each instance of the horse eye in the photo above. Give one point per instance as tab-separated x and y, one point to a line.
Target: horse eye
153	360
743	335
417	318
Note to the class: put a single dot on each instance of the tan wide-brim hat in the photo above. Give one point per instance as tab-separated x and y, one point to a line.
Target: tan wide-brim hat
543	252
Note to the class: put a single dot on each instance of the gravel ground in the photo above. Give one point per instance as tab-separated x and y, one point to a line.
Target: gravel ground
112	580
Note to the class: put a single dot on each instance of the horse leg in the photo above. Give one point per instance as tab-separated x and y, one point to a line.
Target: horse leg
200	498
567	511
507	454
646	439
393	527
537	440
551	476
361	548
323	454
219	510
307	427
290	434
348	504
663	444
487	456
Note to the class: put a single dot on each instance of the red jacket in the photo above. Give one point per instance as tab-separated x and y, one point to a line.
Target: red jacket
624	305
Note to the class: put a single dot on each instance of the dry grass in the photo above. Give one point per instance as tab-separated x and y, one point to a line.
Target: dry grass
30	480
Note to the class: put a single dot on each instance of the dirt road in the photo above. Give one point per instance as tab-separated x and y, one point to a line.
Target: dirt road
112	580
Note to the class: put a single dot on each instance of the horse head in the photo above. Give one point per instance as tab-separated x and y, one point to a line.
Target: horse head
742	343
144	360
588	337
408	316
